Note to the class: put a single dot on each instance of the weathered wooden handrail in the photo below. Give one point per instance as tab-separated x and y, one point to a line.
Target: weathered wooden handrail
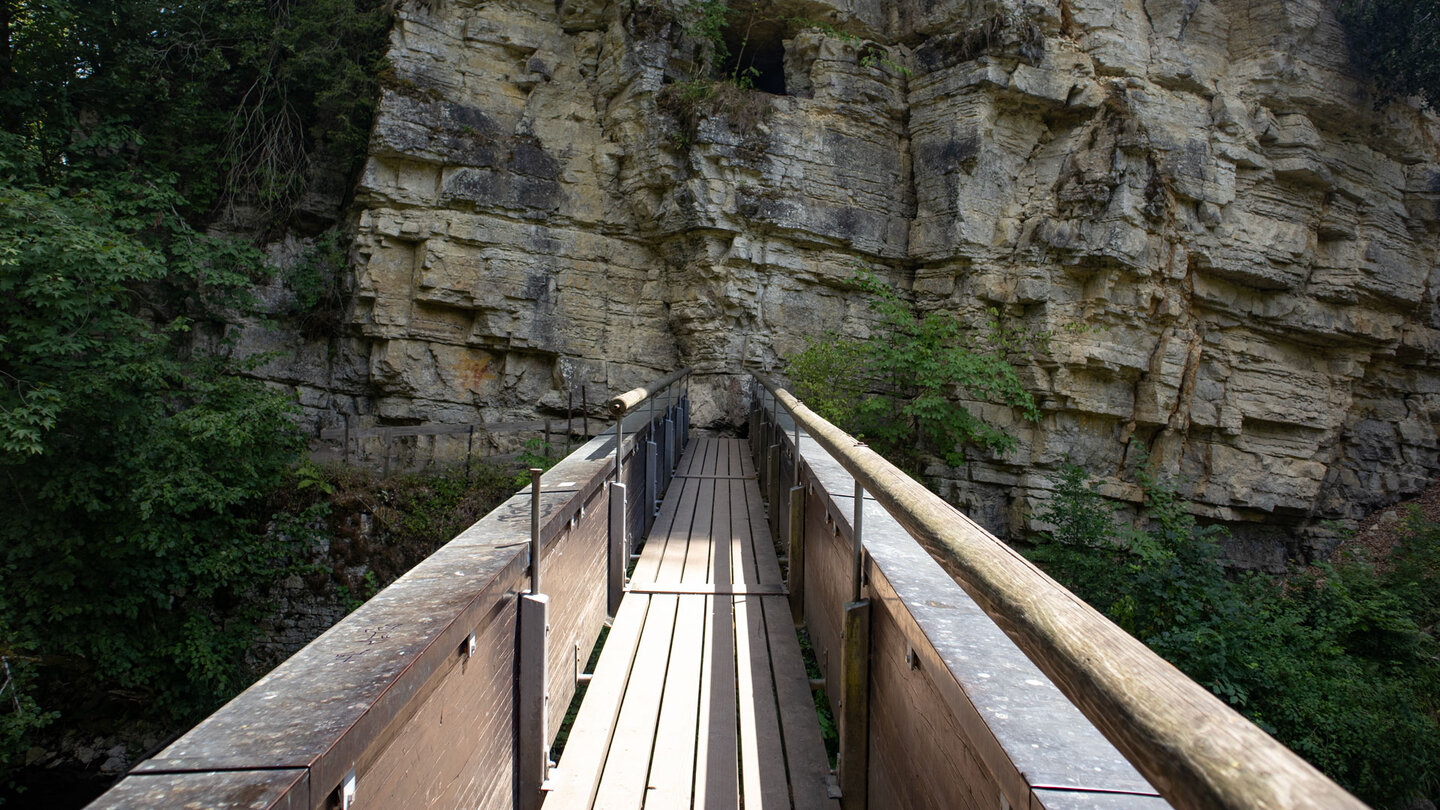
1198	752
412	699
619	405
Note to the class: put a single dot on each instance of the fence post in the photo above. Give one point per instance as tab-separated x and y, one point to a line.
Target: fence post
855	679
534	693
795	559
670	443
619	526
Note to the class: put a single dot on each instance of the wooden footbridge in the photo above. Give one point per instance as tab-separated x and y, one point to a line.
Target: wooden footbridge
959	676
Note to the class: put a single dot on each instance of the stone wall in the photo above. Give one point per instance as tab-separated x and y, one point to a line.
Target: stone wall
1232	246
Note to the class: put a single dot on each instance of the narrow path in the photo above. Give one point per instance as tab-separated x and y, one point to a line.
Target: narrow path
700	698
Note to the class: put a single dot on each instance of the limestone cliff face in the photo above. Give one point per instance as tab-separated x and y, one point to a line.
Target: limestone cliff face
1235	250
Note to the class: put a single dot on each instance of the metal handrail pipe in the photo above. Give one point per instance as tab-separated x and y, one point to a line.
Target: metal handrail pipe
621	404
1195	750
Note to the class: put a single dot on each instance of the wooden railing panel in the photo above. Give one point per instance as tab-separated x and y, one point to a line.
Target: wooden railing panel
827	588
391	692
920	754
287	789
574	565
930	745
445	754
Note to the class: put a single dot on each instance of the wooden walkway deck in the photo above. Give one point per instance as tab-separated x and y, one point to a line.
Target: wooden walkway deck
700	697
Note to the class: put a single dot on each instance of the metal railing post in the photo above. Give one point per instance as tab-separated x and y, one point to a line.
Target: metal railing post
669	434
534	692
685	402
854	759
795	559
619	551
652	491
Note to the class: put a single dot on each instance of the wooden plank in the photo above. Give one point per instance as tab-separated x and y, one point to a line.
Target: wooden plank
762	752
694	496
281	789
575	561
701	541
714	451
705	463
672	772
686	463
854	757
767	565
578	773
809	766
746	464
924	750
675	510
627	765
742	550
717	773
827	587
720	569
710	589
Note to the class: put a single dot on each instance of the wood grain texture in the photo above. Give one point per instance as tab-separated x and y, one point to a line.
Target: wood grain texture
827	576
672	764
1197	751
627	765
717	770
929	747
804	749
285	789
578	773
762	751
712	685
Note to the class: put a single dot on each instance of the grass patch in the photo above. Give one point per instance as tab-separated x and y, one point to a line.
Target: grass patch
563	735
829	729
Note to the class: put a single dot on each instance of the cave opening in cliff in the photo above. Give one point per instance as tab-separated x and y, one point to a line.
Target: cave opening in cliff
757	53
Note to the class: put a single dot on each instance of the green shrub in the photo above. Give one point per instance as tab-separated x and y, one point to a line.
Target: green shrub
1337	661
899	389
133	462
1398	42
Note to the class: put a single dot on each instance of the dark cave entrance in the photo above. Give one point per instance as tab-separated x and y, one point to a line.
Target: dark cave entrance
757	52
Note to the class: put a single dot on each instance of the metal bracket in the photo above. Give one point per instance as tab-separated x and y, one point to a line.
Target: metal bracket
347	790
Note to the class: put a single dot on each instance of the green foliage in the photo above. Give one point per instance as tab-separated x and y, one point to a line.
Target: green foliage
1336	661
871	54
537	454
723	81
20	714
1398	42
98	87
314	280
138	466
900	388
129	458
712	19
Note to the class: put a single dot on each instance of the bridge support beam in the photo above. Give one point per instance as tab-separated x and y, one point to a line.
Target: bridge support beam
669	445
854	759
796	558
533	699
652	479
771	482
619	550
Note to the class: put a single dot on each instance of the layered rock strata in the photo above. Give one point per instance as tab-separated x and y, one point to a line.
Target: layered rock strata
1233	249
